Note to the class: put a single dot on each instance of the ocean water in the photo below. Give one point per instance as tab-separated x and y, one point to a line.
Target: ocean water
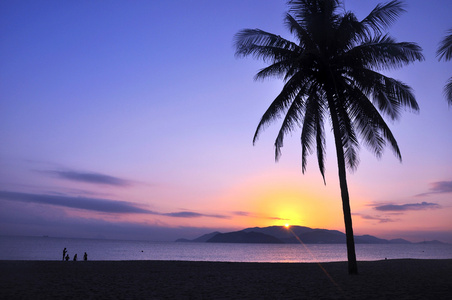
47	248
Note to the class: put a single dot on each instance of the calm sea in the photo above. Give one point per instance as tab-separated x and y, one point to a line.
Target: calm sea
47	248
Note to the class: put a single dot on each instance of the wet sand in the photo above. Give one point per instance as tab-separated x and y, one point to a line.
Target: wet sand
388	279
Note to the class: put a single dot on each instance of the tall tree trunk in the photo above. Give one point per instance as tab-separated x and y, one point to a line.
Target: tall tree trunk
351	255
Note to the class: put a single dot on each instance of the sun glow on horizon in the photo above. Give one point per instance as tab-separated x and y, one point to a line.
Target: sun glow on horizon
287	225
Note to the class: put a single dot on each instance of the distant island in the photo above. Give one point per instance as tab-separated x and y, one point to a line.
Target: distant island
292	235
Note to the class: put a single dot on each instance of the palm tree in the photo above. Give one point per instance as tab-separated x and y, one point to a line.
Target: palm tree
331	75
445	52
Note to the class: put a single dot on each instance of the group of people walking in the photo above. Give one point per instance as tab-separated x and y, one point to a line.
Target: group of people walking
66	256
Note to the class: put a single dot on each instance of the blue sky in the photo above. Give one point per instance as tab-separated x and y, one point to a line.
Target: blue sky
142	107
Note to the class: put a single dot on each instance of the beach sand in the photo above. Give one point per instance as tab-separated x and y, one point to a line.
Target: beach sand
388	279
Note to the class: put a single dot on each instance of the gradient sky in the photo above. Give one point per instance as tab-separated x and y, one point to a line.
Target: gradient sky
134	119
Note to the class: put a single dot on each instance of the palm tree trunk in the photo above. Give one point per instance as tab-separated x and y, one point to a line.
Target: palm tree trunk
351	255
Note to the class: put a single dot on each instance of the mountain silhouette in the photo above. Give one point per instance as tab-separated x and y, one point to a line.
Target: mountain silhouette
202	238
291	235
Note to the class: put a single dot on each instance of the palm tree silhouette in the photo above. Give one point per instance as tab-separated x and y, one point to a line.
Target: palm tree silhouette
331	75
445	52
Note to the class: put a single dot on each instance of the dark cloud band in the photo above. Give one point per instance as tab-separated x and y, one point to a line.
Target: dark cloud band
93	204
409	206
94	178
190	214
97	205
439	187
380	219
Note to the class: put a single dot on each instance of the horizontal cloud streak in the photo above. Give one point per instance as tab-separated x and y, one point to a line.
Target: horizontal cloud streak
190	214
92	204
376	218
409	206
95	204
439	187
94	178
277	218
241	213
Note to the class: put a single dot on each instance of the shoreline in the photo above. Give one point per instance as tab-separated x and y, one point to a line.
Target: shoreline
384	279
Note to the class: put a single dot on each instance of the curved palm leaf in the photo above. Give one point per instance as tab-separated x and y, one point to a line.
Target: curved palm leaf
281	103
383	16
291	120
313	131
383	53
374	130
448	91
262	45
390	95
445	52
445	47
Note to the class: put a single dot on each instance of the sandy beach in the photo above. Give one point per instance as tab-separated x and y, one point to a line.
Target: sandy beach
388	279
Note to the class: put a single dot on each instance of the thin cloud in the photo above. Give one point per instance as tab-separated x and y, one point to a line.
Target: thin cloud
279	219
92	204
184	214
96	204
439	187
409	206
380	219
94	178
241	213
191	214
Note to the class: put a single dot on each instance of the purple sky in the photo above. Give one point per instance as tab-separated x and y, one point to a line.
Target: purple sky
133	119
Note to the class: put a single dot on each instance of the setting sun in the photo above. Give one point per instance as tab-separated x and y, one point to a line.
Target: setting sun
286	225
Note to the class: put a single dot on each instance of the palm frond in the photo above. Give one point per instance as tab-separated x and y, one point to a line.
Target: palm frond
348	31
374	129
309	128
367	120
343	127
448	91
383	16
303	10
278	70
388	94
300	32
287	68
445	47
291	120
320	142
383	53
348	138
263	45
281	103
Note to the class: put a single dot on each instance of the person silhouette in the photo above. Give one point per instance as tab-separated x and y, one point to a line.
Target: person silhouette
75	257
85	256
67	257
64	253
